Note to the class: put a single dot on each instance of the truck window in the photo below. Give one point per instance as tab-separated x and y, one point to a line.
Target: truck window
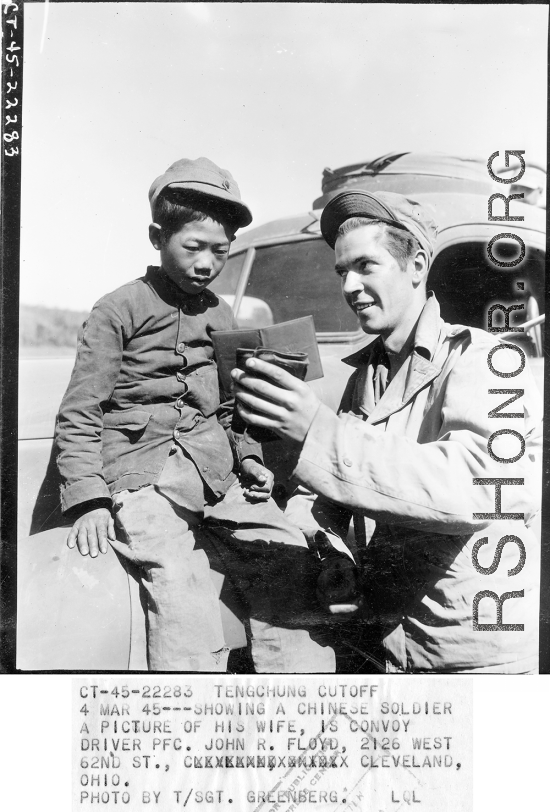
298	279
466	284
226	283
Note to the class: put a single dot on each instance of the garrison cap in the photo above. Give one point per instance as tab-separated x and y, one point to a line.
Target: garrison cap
390	207
203	177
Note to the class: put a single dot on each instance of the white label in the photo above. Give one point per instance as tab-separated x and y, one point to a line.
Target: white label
273	744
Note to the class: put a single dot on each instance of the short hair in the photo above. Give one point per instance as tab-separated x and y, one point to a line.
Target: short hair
174	209
401	244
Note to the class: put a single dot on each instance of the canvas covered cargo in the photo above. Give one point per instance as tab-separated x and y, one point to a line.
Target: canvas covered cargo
412	173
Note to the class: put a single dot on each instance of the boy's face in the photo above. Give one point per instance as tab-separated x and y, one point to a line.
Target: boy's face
195	255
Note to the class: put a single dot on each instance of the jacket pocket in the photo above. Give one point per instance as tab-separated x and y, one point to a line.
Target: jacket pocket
134	420
125	442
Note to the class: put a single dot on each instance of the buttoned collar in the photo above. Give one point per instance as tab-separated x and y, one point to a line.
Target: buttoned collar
173	295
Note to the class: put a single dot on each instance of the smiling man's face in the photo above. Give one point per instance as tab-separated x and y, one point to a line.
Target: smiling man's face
373	283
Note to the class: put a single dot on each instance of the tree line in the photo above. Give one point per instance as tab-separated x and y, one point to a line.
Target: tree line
49	327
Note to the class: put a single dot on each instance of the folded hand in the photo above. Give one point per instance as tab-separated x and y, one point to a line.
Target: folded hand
257	480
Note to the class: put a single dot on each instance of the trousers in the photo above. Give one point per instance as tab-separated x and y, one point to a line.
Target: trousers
173	532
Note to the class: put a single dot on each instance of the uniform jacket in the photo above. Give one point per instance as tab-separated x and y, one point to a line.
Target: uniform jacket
409	463
145	377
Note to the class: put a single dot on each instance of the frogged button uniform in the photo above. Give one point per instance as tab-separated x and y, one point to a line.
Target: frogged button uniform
143	422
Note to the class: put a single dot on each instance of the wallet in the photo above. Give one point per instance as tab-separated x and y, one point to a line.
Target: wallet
296	363
291	337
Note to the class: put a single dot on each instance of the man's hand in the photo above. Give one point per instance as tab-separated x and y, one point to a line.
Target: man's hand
91	531
281	402
256	479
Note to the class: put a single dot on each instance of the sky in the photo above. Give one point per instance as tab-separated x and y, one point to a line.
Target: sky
116	92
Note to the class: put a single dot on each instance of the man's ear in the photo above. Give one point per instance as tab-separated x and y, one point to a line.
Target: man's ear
155	232
421	267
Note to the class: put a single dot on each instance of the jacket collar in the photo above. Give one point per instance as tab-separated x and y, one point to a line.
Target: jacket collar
426	337
174	296
418	371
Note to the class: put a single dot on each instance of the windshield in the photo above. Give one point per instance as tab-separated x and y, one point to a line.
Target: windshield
226	282
293	279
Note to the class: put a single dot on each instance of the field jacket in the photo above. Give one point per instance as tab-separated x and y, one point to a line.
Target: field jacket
145	378
417	463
